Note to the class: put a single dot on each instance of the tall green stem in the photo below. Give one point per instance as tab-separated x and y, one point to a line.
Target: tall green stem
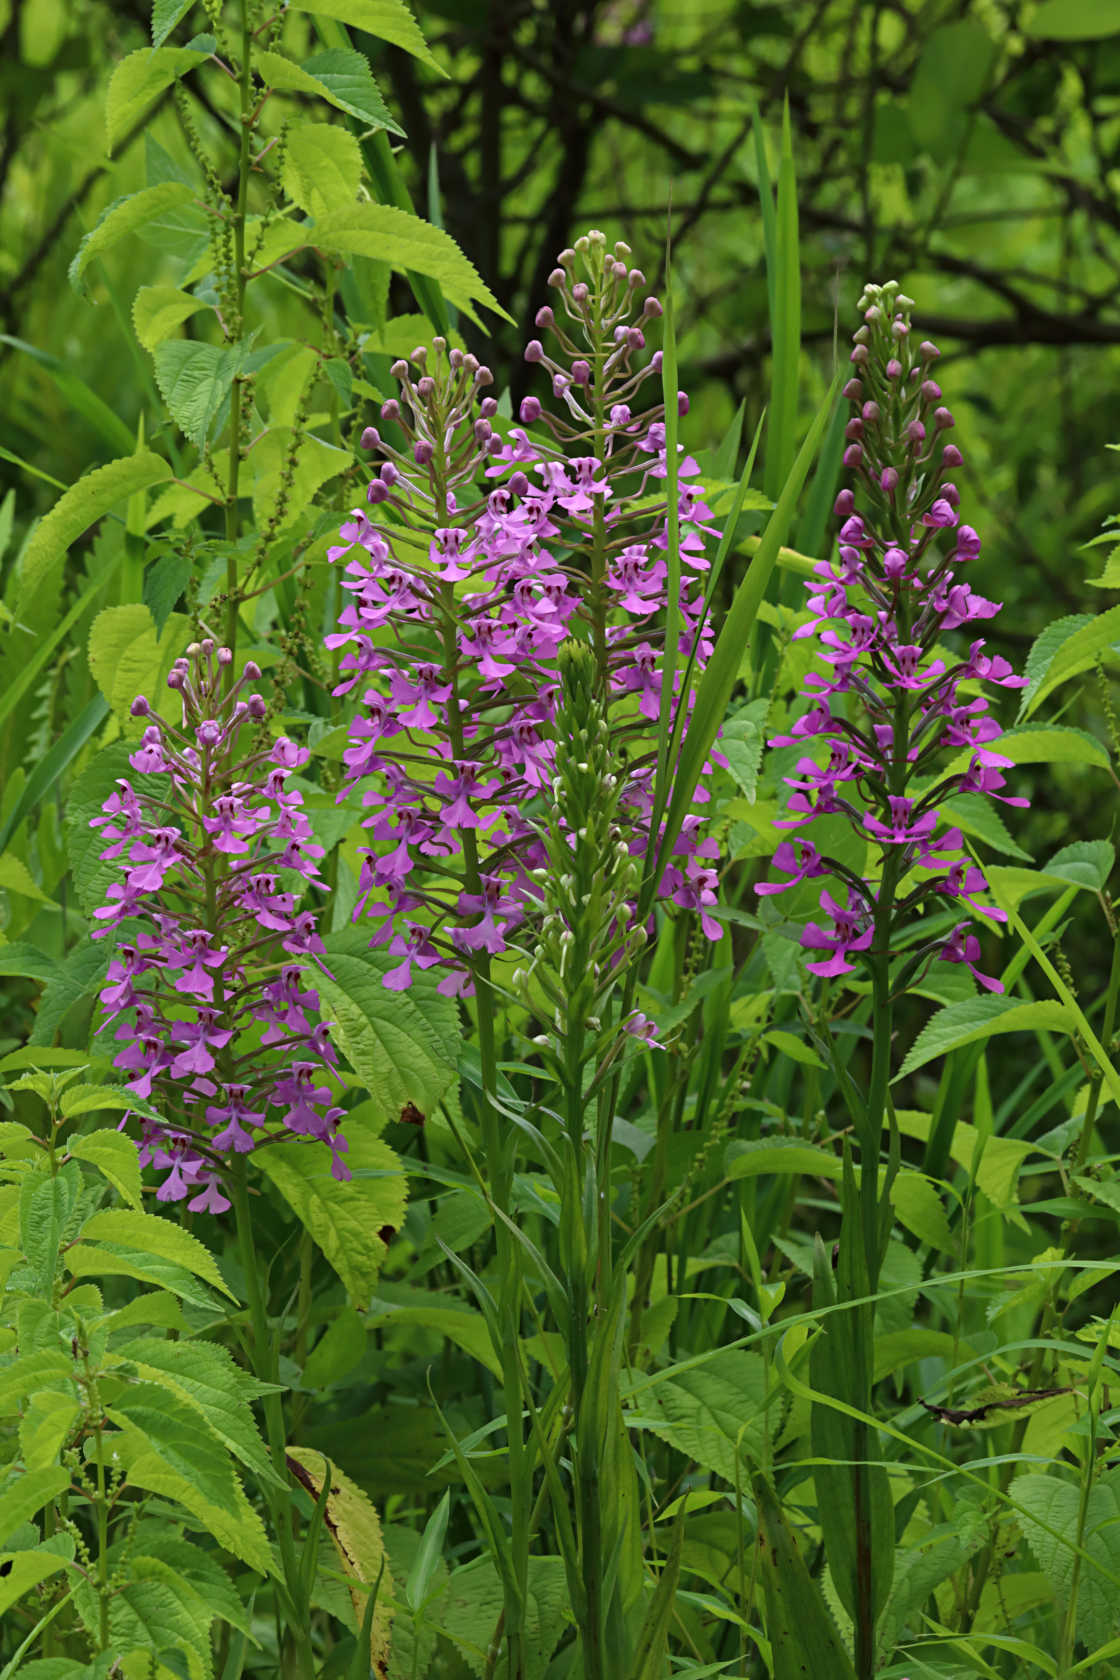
237	324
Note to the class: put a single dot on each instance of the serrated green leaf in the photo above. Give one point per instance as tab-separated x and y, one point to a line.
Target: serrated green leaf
398	1305
388	20
166	16
139	79
973	813
404	1046
1075	650
17	878
20	1571
322	166
127	657
342	77
1000	1157
205	1376
79	508
1040	743
918	1206
44	1212
147	1234
338	1350
343	1218
980	1018
128	215
45	1427
1047	1503
179	1434
405	243
113	1154
158	1614
194	381
1085	863
236	1527
712	1414
158	310
27	1493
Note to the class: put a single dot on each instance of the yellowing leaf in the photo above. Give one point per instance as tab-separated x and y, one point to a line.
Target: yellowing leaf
353	1525
148	1234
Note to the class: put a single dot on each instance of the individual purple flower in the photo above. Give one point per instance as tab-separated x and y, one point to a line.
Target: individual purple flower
216	853
883	616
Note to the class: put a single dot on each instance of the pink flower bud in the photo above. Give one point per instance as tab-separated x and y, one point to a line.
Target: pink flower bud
951	456
545	317
853	430
916	432
853	390
853	455
530	410
580	293
556	278
422	452
931	391
943	419
927	351
518	483
888	480
252	671
377	492
860	355
870	412
894	369
390	410
581	372
651	308
371	437
488	407
844	505
534	350
140	707
426	388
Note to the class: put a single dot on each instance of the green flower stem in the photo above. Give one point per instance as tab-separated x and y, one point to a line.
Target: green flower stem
266	1369
237	325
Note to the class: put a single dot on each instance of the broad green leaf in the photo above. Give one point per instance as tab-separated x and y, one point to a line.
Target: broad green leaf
79	508
158	310
45	1427
1073	20
343	1218
979	1018
195	381
1085	863
204	1375
404	1046
322	166
753	1158
388	20
317	462
976	816
355	1529
88	793
919	1208
398	1305
15	877
237	1527
1042	743
341	77
952	74
153	1613
80	975
896	1348
467	1612
198	1571
27	1493
712	1414
1046	1503
49	769
44	1213
1074	652
166	16
128	215
94	1099
127	658
159	1238
20	1571
115	1156
179	1434
1110	577
139	78
338	1350
919	1569
1000	1158
405	242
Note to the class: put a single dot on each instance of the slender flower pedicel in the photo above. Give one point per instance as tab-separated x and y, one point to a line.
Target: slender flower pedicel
206	985
460	598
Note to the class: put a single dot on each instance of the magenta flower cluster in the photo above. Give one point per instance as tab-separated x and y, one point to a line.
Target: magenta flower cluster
220	1032
459	598
892	701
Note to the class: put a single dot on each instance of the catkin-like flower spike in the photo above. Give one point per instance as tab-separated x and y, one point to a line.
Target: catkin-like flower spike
461	590
206	985
897	697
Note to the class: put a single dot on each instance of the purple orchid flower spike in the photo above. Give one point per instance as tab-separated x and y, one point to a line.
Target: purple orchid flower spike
883	616
210	901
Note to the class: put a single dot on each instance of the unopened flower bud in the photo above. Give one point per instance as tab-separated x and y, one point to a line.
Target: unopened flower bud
377	492
488	407
942	419
252	671
422	452
863	336
682	403
870	413
390	410
580	293
176	677
655	362
927	351
456	358
560	384
370	438
426	388
389	474
651	308
530	410
482	377
894	368
888	480
916	432
557	277
860	355
581	372
899	329
844	505
853	390
256	706
534	350
951	456
140	707
853	430
483	431
399	369
635	338
931	391
208	734
853	455
518	483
